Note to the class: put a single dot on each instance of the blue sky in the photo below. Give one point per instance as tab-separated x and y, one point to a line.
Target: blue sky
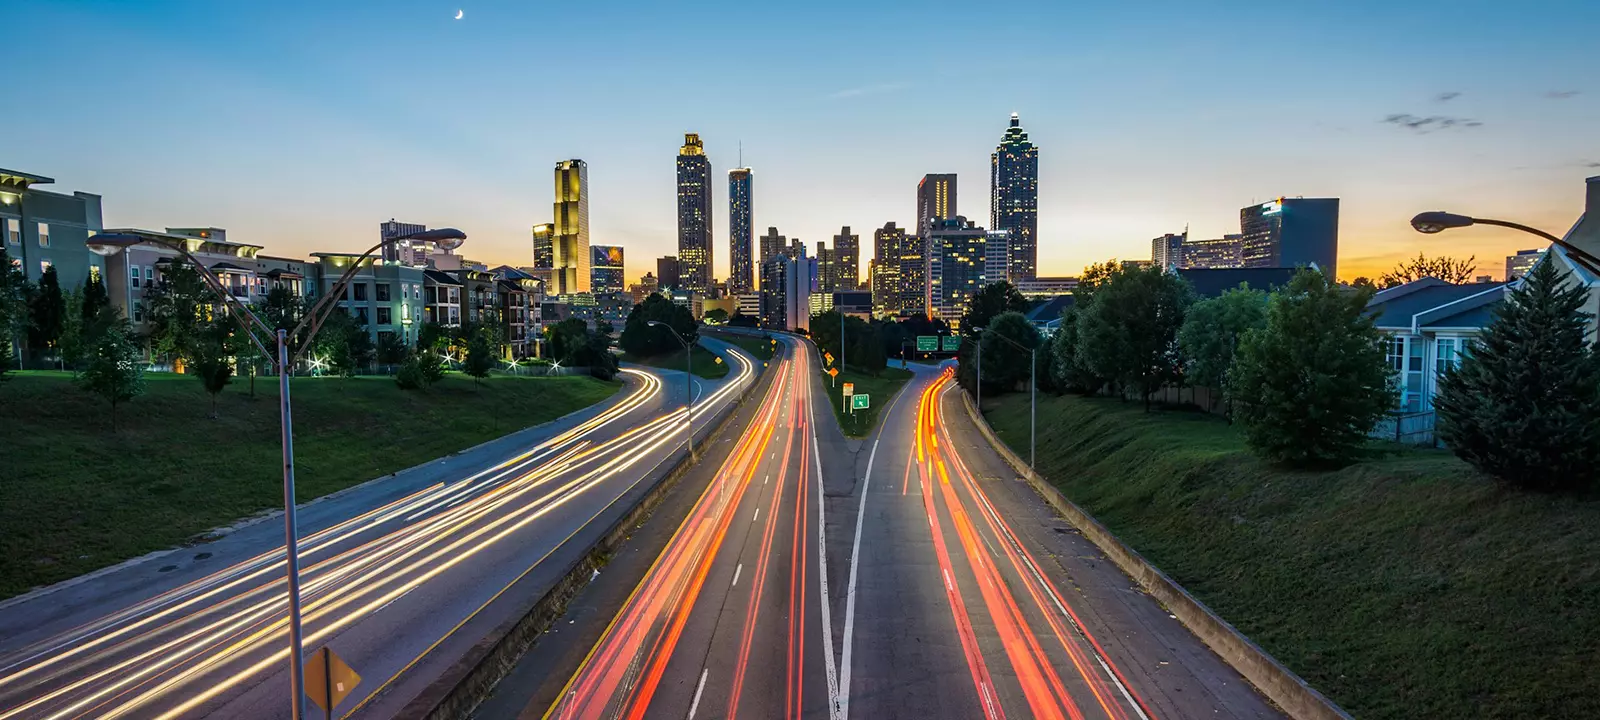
301	125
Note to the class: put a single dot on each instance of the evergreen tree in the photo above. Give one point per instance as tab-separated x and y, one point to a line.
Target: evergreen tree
95	297
211	359
1210	335
1524	403
113	371
177	308
48	311
73	343
1313	381
480	356
13	311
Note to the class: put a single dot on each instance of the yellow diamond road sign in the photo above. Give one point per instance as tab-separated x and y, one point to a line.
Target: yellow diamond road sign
328	679
833	372
828	356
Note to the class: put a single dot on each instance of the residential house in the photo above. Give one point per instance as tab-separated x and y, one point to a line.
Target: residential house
441	298
383	296
1429	322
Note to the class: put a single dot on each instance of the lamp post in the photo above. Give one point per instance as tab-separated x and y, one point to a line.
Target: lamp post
1438	221
108	244
688	380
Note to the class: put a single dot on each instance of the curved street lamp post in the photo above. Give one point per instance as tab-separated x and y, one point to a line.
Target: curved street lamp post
108	244
1430	223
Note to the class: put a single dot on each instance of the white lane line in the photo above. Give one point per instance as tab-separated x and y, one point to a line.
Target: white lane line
842	704
757	516
696	704
822	572
736	572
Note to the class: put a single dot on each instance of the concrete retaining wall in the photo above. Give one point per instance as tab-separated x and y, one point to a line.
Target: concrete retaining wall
1277	682
459	690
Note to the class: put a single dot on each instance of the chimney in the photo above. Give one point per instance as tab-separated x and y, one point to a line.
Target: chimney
1592	204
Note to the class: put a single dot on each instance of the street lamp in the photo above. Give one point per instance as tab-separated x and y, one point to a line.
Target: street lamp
1438	221
108	244
1033	389
688	380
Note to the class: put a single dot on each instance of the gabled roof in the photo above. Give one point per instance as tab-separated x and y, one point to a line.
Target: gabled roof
1213	282
227	267
1430	302
439	277
1050	309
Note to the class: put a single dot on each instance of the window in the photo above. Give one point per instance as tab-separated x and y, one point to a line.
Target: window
361	315
383	315
360	290
138	312
14	231
133	276
383	292
1447	354
44	234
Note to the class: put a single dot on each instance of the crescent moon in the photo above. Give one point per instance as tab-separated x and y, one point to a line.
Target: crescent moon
459	13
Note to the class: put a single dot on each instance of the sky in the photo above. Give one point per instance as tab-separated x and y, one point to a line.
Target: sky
301	125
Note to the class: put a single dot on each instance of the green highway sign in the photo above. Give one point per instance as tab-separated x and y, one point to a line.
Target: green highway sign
927	343
952	343
859	402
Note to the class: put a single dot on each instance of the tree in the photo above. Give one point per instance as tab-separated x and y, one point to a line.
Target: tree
211	359
1448	269
1071	373
994	299
1210	335
1313	381
72	342
95	297
1004	364
343	343
392	349
176	308
568	338
1364	282
715	316
480	356
433	336
13	311
594	352
48	311
1128	332
113	371
1524	403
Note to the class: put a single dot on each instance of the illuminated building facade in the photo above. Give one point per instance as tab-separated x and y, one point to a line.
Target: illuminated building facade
958	262
694	216
1291	232
888	245
605	268
570	245
403	251
741	232
846	260
1223	252
936	198
544	253
1014	199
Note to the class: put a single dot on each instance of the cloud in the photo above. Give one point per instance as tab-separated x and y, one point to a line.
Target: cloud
1445	97
1560	94
1592	164
878	89
1430	123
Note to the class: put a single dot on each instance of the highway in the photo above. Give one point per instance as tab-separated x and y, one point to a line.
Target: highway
910	575
398	580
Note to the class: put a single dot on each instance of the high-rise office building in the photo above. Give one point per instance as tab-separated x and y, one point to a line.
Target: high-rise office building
544	258
646	287
694	216
1166	252
403	251
1014	199
914	275
958	263
772	243
936	198
786	289
667	272
1221	252
888	245
846	261
741	232
1291	232
570	243
827	268
996	256
605	269
1522	263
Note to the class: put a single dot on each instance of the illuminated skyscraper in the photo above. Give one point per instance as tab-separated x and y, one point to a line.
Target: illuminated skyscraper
958	263
827	277
605	270
403	251
1291	232
544	259
1014	200
694	216
570	244
772	243
936	198
741	232
846	261
889	245
667	271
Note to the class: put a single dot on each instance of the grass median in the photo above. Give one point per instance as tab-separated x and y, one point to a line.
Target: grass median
759	348
878	388
74	496
1403	586
705	362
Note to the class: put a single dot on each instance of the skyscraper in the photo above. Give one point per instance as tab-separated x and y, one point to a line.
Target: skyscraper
605	269
403	251
544	259
741	232
694	216
1221	252
772	243
1166	252
846	261
914	275
570	244
1291	232
1014	200
827	267
888	244
667	272
957	267
936	198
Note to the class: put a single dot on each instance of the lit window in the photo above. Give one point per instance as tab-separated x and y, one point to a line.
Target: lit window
383	316
14	231
44	266
44	234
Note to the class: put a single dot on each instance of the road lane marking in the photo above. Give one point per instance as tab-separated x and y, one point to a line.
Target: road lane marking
696	704
735	584
843	703
757	516
822	574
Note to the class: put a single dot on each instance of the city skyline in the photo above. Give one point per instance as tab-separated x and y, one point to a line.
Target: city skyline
1392	125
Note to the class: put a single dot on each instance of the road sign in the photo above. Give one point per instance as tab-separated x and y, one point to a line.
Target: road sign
860	402
828	356
952	343
719	359
849	388
328	679
833	372
927	343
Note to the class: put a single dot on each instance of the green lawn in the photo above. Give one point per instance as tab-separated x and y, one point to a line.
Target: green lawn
759	348
705	362
1405	586
74	496
879	389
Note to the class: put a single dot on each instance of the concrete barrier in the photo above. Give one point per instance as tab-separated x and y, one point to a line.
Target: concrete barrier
467	682
1277	682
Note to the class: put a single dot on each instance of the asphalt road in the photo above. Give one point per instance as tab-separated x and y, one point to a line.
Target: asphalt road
399	576
912	575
